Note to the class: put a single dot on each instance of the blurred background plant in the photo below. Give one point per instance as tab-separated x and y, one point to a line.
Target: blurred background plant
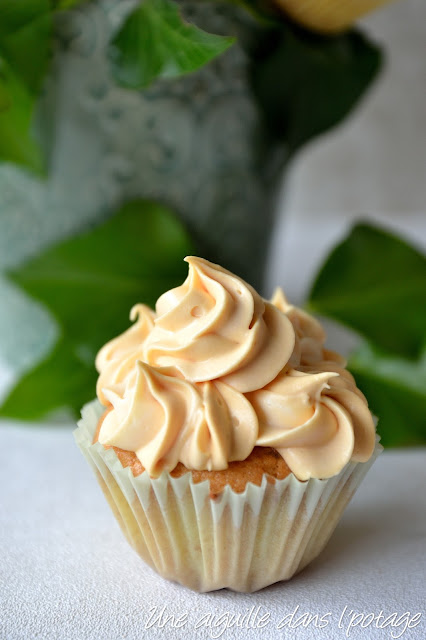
133	133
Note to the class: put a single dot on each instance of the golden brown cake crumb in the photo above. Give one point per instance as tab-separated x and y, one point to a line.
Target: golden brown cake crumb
262	460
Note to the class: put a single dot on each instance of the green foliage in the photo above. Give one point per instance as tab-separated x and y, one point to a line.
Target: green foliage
89	283
64	5
155	42
4	94
62	379
304	83
17	14
376	284
16	107
27	50
307	83
25	31
396	391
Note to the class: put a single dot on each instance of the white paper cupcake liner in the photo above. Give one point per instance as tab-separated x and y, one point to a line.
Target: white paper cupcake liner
243	541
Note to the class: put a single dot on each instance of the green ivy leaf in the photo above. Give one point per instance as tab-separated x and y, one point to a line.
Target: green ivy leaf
65	5
376	284
17	144
25	35
16	14
62	379
155	42
396	391
4	93
306	83
27	50
89	283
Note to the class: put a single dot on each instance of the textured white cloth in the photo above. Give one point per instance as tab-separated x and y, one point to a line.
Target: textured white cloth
67	572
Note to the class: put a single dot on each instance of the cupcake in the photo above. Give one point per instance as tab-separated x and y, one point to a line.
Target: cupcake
224	428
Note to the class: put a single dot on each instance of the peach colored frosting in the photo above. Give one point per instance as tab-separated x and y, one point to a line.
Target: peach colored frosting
217	370
165	420
116	360
310	336
316	420
216	326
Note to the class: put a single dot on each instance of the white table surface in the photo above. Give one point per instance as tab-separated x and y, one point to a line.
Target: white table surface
67	572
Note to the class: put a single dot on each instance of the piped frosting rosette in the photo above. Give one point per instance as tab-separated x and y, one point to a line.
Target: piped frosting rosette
217	370
310	336
116	360
165	420
318	422
215	326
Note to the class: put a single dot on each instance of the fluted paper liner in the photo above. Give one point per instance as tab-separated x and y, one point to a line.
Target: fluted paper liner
243	541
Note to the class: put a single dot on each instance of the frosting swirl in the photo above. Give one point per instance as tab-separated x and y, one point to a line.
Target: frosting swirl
310	336
216	326
217	370
317	421
117	358
167	420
